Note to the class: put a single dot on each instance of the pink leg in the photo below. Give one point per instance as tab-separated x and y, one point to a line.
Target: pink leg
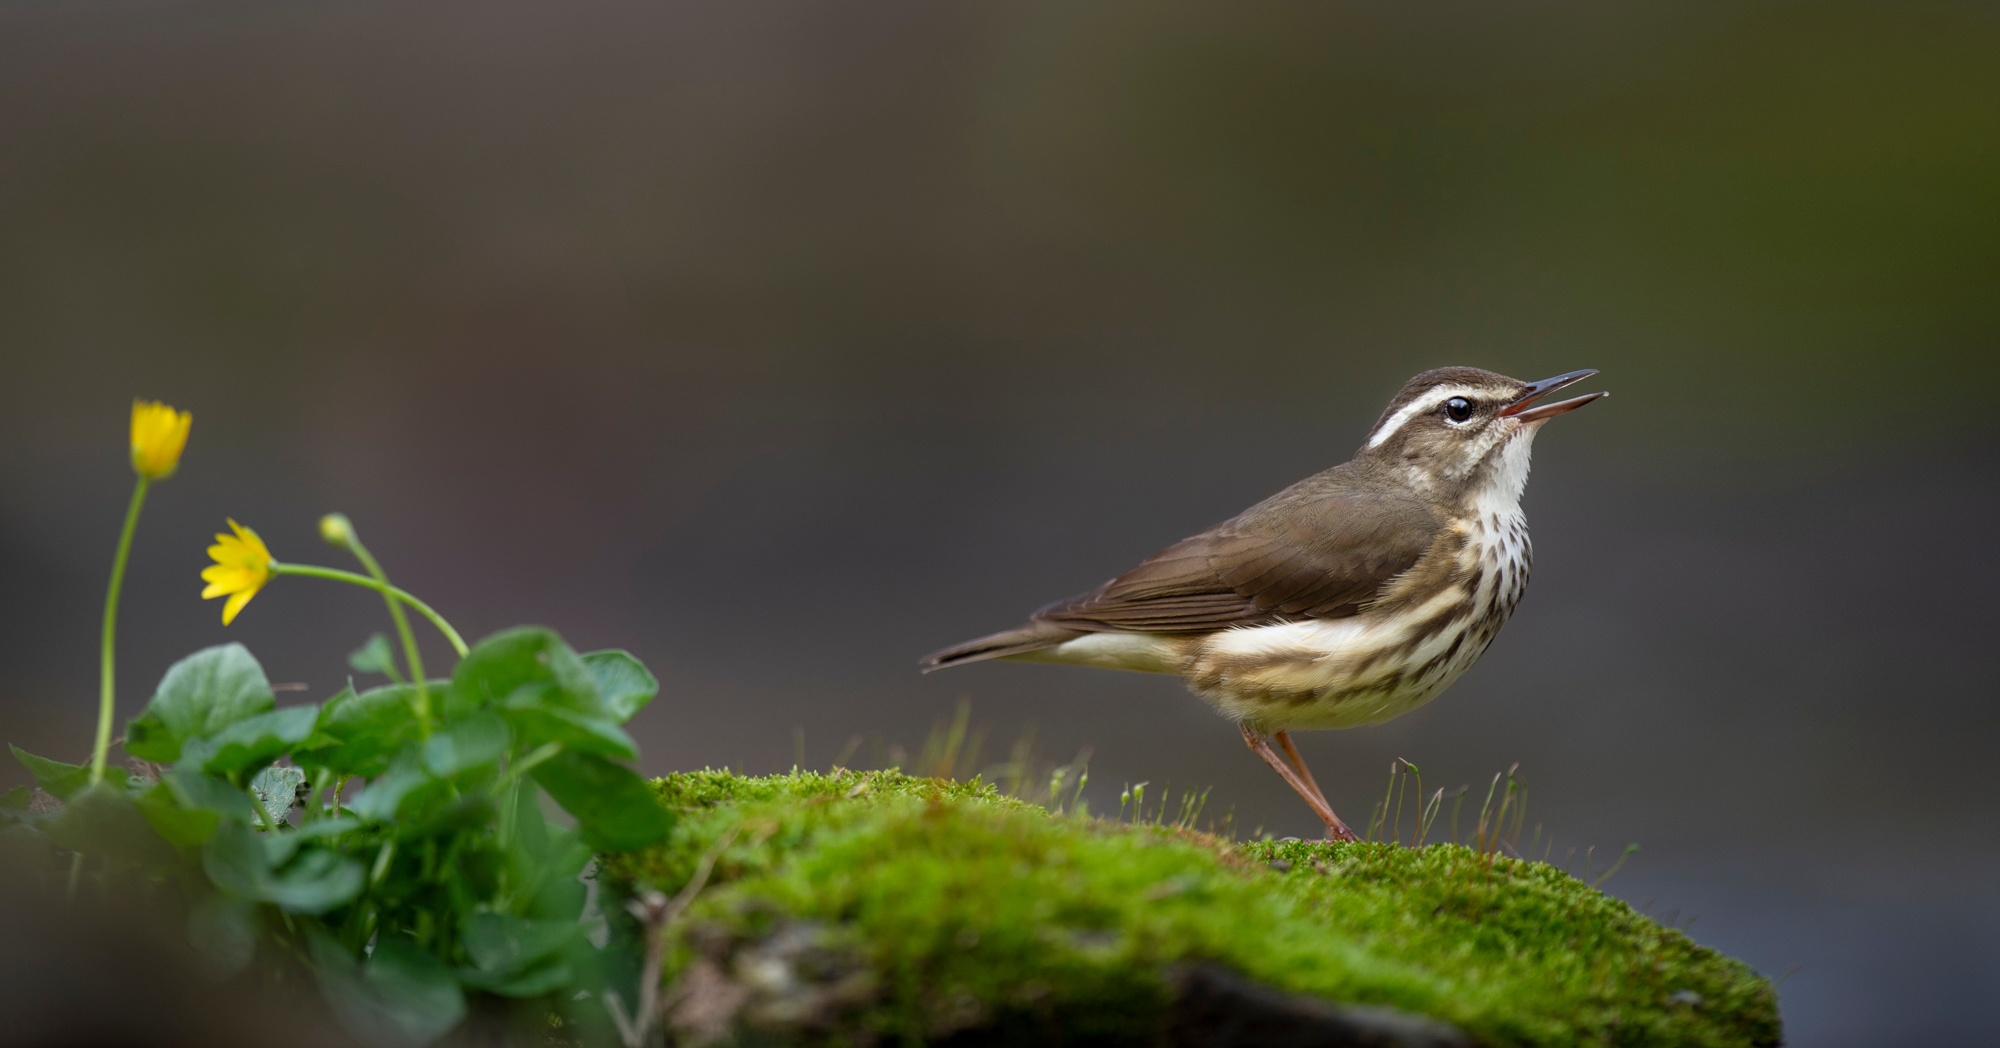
1284	741
1335	829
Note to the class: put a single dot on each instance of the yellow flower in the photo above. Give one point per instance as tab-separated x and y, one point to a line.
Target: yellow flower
242	566
158	435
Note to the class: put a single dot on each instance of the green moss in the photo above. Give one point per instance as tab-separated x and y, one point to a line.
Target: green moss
968	908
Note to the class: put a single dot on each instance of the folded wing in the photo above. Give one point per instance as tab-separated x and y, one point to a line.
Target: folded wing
1291	558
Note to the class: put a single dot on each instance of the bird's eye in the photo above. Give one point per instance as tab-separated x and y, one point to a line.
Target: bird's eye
1458	409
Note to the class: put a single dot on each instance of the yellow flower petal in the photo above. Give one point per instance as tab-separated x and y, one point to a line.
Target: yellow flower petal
242	567
159	435
235	605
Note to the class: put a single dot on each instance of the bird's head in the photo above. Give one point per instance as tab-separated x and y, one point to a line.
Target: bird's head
1457	429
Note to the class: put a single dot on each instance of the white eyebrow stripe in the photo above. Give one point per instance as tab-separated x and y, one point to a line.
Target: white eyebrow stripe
1428	402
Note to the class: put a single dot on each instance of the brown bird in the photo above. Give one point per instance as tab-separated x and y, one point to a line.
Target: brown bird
1349	598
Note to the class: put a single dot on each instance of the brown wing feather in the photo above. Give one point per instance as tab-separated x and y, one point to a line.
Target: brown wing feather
1304	554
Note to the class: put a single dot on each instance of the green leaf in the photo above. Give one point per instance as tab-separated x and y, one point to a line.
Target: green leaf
624	685
200	695
476	809
250	743
531	827
384	795
613	806
182	827
401	997
280	846
528	655
18	798
333	827
54	776
277	790
532	983
367	729
536	722
476	740
150	740
102	820
499	942
235	859
317	881
547	858
223	930
558	893
207	793
375	656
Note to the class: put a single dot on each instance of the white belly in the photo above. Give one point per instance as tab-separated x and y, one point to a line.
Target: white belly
1377	665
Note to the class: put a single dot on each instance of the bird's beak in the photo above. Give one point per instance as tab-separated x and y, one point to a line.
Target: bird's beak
1521	410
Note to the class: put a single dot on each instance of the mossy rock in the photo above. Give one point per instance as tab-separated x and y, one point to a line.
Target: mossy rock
875	907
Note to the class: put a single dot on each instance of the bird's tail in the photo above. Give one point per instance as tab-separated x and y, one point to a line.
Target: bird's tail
1032	637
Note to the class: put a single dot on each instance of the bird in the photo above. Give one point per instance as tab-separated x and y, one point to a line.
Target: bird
1350	598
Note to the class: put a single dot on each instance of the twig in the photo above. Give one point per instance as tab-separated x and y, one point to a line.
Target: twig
657	913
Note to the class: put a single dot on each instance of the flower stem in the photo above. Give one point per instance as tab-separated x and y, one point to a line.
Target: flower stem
316	572
411	655
106	692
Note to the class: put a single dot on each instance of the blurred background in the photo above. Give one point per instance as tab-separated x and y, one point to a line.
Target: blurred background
784	342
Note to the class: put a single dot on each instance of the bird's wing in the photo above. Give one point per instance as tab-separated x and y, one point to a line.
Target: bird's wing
1320	558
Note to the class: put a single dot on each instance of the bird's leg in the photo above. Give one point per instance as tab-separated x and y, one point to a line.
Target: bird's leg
1284	740
1335	829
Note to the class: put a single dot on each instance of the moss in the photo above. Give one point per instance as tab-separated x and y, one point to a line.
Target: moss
971	909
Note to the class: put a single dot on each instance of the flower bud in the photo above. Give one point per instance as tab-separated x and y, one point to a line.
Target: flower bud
159	433
337	530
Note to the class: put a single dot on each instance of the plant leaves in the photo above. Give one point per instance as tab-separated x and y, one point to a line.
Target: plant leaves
277	789
499	942
624	685
54	776
250	743
613	806
367	728
18	798
180	826
223	930
558	893
333	827
473	809
375	656
385	794
102	820
476	740
533	983
317	881
280	846
531	827
401	997
200	695
536	722
527	655
235	859
207	793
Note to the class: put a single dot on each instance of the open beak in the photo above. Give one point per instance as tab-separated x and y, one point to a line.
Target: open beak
1521	410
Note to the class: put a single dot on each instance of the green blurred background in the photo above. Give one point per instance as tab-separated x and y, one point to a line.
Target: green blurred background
783	342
